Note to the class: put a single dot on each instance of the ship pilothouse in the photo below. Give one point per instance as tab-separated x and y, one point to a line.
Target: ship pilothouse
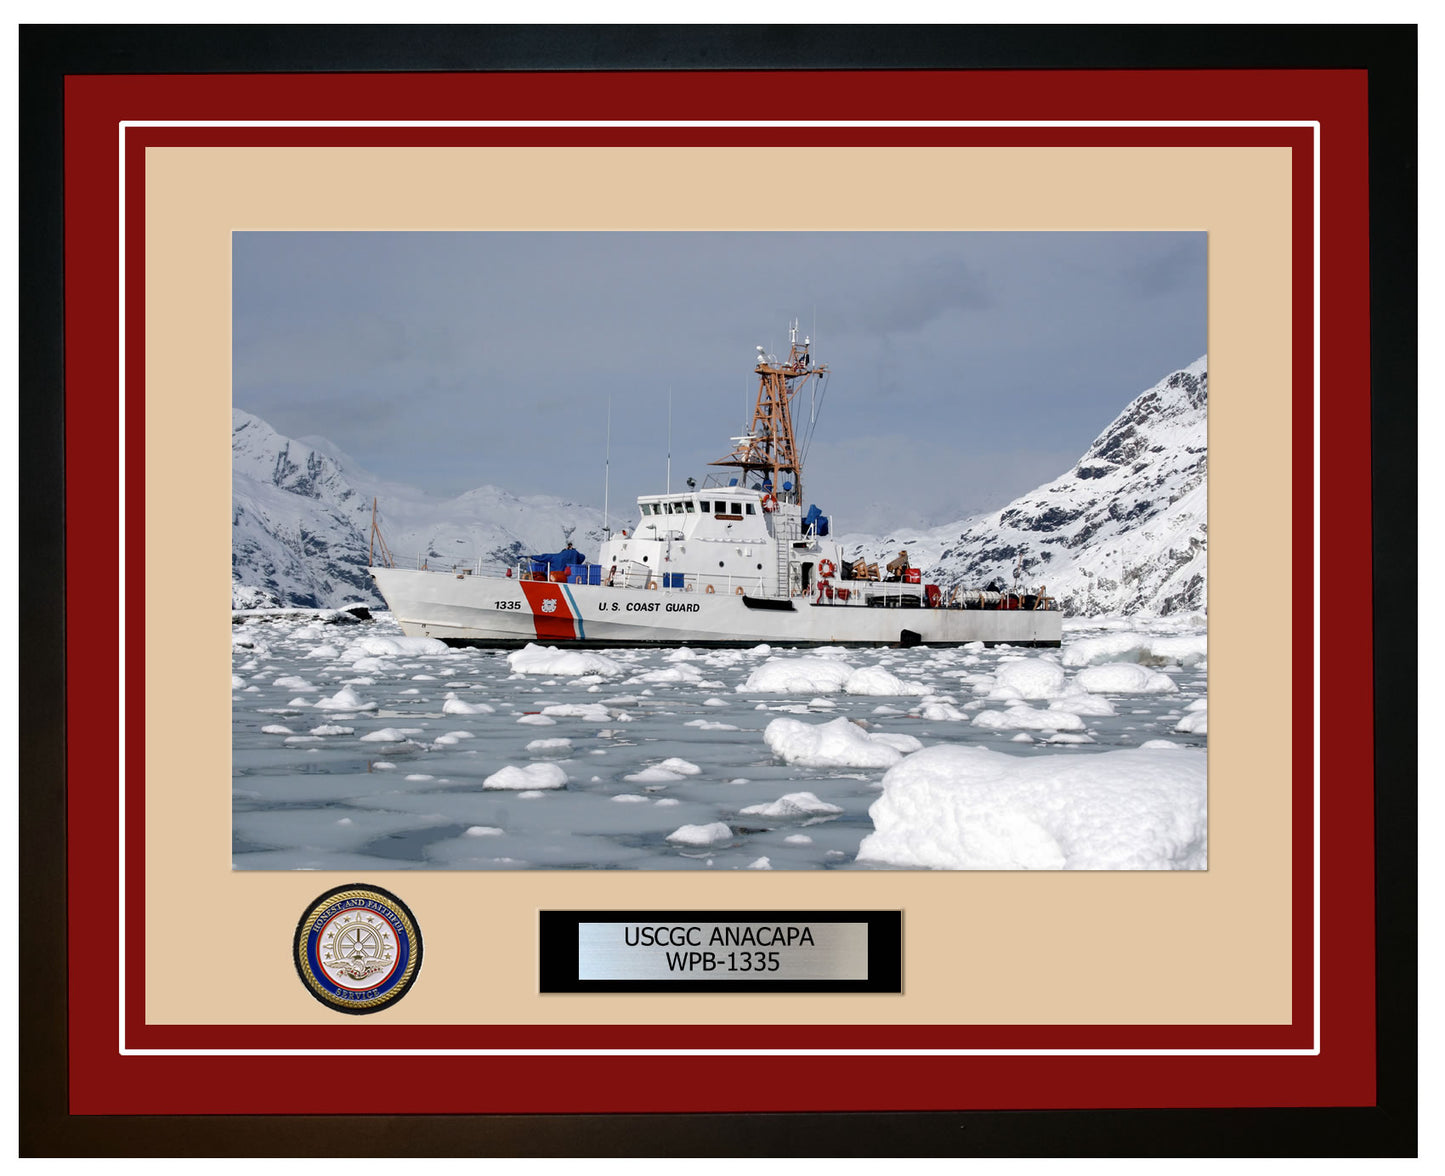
743	534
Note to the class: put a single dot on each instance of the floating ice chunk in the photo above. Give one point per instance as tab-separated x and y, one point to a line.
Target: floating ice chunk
701	834
304	739
549	745
797	675
942	712
1193	723
681	766
383	766
761	863
455	706
548	659
705	725
332	729
483	831
537	721
532	777
389	735
298	702
714	701
419	776
1145	648
1083	703
653	776
378	646
1152	744
237	682
276	729
345	699
1022	737
1026	718
630	798
840	743
292	682
969	808
907	744
1069	737
593	712
998	693
798	839
669	675
878	682
1033	677
794	804
666	800
322	651
1124	678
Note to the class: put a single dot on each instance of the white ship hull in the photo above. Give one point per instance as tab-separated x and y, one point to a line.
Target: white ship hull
502	611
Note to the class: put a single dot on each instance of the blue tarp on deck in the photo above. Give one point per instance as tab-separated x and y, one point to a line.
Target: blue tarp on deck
558	560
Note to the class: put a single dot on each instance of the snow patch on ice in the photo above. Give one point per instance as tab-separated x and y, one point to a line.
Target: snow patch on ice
345	699
548	659
1025	718
455	706
701	834
840	743
1030	678
549	745
970	808
1124	678
531	777
794	804
1193	723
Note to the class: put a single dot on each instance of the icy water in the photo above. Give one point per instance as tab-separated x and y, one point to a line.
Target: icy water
355	748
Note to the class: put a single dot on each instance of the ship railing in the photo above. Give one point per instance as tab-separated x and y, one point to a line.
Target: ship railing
458	567
698	583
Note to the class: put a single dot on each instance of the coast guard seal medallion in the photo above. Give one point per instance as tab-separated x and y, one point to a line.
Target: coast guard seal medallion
357	948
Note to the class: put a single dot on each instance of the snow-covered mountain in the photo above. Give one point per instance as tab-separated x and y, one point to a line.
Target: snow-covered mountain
1124	531
301	522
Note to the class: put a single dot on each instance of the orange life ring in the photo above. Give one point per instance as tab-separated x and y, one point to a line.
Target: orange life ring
710	589
651	584
827	568
770	502
739	590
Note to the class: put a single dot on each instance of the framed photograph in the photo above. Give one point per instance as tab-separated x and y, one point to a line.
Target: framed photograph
493	394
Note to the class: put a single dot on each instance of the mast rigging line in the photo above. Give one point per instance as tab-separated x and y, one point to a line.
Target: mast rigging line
813	421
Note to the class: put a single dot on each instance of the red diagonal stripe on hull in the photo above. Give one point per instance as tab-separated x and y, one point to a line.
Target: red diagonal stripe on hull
549	624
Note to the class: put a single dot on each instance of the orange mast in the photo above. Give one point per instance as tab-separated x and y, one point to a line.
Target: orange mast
769	446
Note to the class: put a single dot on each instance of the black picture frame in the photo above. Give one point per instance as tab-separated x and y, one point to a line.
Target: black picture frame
49	53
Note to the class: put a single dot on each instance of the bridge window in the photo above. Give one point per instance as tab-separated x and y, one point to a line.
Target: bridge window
705	505
750	508
737	508
688	505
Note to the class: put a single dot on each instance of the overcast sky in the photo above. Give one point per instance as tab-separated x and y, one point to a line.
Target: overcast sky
967	368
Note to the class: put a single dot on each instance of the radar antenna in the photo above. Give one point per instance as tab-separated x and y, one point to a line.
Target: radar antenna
769	446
